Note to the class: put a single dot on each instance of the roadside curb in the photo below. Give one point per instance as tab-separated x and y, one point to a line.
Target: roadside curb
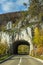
6	59
37	59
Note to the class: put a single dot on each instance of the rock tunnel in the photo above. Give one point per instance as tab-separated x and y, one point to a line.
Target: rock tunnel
21	46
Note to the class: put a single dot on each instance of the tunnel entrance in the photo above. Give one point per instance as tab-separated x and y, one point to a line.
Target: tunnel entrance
21	47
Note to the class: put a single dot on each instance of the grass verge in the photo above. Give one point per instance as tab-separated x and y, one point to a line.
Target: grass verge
40	57
4	57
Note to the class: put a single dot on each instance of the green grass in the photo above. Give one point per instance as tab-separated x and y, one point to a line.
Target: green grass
40	57
4	57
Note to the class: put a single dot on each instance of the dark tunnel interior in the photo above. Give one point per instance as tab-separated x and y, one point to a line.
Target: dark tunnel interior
18	43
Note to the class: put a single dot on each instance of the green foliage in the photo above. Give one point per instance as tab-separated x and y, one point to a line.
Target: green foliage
35	7
23	49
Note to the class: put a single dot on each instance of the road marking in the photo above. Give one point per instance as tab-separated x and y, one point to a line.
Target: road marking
20	61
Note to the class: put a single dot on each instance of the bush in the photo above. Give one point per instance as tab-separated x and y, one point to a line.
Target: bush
3	48
39	51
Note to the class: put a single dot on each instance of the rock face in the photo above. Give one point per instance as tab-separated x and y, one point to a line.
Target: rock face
26	37
4	18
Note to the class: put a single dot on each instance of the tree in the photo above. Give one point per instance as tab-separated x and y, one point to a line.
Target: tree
3	48
39	50
38	41
23	49
36	37
35	9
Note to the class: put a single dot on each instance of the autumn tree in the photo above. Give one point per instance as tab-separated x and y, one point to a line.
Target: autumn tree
38	40
36	36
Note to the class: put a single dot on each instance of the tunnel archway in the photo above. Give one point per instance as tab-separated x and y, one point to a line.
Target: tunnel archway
18	43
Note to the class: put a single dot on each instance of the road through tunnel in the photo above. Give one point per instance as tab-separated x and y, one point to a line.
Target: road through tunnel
21	47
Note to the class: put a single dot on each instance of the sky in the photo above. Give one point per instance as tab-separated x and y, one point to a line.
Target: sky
12	6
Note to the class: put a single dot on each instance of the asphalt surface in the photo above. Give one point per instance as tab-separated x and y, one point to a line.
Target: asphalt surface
21	60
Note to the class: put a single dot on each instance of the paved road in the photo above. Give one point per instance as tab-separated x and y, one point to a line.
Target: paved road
22	60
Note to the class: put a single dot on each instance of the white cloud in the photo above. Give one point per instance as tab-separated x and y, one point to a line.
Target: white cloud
8	6
20	2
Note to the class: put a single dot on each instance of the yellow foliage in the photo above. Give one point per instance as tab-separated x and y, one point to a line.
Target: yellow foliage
3	48
38	36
